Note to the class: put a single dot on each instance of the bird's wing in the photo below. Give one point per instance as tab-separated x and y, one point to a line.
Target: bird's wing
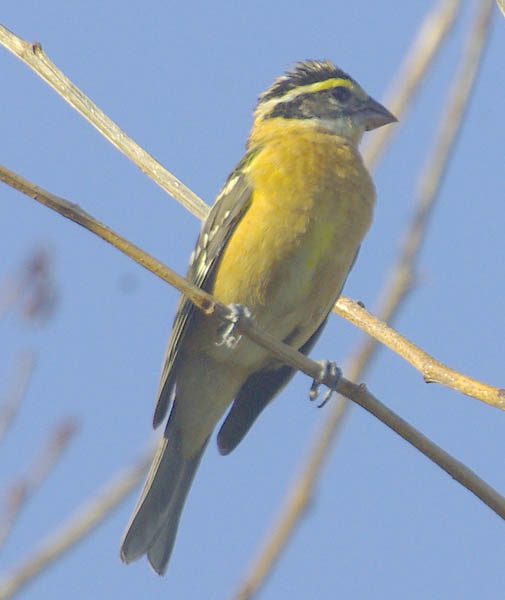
226	212
254	395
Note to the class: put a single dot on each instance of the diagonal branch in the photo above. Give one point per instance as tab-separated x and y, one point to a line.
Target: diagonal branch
402	277
34	57
432	370
423	50
89	516
209	305
22	490
288	355
14	395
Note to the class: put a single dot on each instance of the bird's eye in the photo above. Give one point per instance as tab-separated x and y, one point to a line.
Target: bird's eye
341	93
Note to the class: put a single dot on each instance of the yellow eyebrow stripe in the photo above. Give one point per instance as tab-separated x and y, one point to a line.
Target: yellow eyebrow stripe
319	86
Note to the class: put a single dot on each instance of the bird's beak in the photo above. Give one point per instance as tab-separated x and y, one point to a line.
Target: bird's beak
375	115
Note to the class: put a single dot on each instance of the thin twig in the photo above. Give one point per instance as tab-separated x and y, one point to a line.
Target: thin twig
210	305
14	395
423	50
298	500
425	47
38	287
432	370
402	277
89	516
30	483
36	59
300	492
77	215
31	288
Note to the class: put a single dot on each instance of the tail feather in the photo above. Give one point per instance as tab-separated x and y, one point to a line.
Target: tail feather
199	403
153	526
161	548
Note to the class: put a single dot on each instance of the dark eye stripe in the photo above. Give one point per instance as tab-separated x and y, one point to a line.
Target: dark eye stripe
341	93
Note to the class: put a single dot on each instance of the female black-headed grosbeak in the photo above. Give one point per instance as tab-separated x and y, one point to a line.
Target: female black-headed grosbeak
280	240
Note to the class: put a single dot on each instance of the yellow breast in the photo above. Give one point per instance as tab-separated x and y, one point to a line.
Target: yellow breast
311	206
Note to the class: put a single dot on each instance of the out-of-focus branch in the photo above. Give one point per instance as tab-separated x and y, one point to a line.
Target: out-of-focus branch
501	6
83	522
13	396
428	41
31	287
73	212
28	485
298	500
402	277
299	494
106	500
425	47
35	58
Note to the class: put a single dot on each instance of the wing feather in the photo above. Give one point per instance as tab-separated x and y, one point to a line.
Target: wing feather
226	212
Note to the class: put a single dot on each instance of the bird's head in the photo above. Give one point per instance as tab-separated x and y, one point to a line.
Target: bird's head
321	95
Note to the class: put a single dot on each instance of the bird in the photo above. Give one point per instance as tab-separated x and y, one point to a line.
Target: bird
279	241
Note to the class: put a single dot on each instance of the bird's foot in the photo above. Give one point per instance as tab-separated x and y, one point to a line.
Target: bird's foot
227	336
330	375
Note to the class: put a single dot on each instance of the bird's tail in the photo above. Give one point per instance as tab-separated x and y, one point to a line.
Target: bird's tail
153	526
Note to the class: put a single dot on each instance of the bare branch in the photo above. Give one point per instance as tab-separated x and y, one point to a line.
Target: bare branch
210	305
31	287
34	57
431	369
89	516
402	277
298	500
28	485
77	215
15	394
430	36
37	286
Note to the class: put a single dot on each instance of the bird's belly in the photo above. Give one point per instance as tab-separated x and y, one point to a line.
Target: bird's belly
305	287
291	252
290	296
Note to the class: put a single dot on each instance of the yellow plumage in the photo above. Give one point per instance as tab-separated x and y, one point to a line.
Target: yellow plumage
311	205
280	240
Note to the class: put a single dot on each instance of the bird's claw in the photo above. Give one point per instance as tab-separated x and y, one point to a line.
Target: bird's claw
330	374
226	331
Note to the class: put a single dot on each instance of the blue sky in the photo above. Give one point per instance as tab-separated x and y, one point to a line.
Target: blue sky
182	80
